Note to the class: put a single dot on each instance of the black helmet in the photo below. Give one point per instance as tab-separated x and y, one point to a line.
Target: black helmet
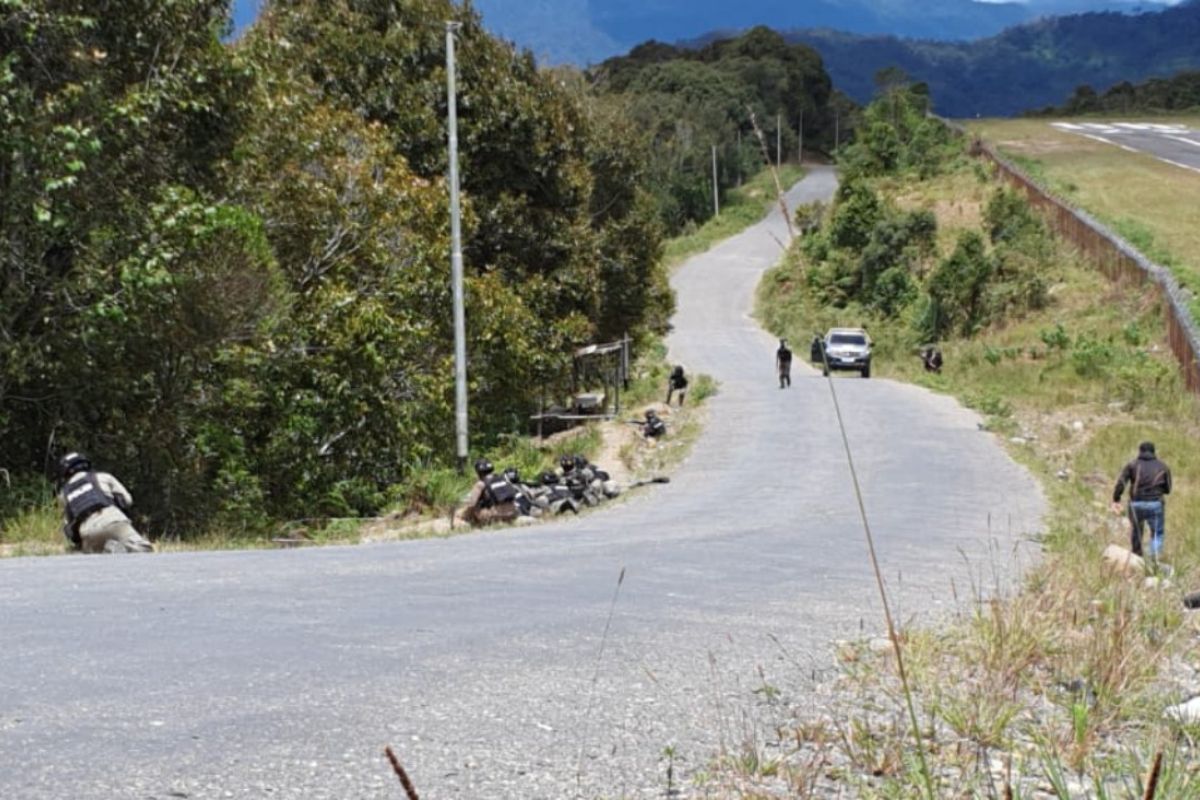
580	462
72	463
650	413
483	467
566	462
549	478
512	475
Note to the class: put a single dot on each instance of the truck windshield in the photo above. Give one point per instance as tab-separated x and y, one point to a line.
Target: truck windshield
848	338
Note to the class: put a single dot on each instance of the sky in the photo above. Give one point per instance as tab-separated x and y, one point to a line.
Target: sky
244	11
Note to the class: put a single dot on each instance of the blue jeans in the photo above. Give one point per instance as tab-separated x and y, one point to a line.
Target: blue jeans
1147	512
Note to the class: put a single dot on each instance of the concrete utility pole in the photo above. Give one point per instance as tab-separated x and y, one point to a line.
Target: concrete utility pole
456	261
800	137
739	157
837	129
716	196
779	140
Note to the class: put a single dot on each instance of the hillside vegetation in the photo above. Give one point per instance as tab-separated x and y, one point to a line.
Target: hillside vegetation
1178	93
1058	690
224	268
1154	209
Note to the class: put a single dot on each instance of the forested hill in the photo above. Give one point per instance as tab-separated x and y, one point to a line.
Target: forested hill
1029	66
688	100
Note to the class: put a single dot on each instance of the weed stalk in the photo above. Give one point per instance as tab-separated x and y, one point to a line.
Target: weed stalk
883	596
409	790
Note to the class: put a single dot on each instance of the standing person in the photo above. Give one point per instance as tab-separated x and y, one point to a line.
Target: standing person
1149	482
678	382
94	508
783	364
931	357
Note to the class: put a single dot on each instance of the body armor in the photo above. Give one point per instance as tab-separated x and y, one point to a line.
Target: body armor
84	497
499	490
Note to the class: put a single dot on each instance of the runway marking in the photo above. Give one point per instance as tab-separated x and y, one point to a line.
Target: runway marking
1179	164
1127	129
1185	140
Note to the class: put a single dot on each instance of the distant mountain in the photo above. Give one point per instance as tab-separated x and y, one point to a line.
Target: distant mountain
1026	67
585	32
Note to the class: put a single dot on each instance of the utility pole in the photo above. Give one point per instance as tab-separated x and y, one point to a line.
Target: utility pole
779	140
716	196
800	136
739	157
837	129
456	261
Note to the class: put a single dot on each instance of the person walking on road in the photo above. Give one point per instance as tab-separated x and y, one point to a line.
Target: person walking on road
1149	482
783	364
94	508
678	382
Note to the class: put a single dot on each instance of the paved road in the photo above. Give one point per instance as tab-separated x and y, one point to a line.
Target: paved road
283	674
1175	144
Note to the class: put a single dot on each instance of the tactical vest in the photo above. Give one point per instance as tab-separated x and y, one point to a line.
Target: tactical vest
499	490
84	496
656	427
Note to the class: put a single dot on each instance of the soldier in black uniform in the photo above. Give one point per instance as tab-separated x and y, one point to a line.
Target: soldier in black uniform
678	382
492	499
783	364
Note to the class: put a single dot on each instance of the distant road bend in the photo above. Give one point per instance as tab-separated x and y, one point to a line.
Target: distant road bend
1175	144
283	674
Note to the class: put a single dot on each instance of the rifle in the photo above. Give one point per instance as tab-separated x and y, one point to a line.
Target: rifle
648	481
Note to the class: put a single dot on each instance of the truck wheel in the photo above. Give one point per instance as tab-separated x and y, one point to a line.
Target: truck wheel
866	371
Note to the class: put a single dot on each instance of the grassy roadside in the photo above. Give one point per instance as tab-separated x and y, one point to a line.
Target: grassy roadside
742	207
1061	688
1150	203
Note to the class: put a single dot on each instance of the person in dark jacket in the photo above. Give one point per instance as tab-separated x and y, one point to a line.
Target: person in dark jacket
1149	482
931	357
783	364
678	382
493	498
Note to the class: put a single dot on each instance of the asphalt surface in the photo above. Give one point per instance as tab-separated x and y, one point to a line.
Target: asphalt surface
484	659
1175	144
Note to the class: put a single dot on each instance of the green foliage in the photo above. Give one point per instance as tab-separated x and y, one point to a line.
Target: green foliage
956	290
878	262
897	136
224	268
